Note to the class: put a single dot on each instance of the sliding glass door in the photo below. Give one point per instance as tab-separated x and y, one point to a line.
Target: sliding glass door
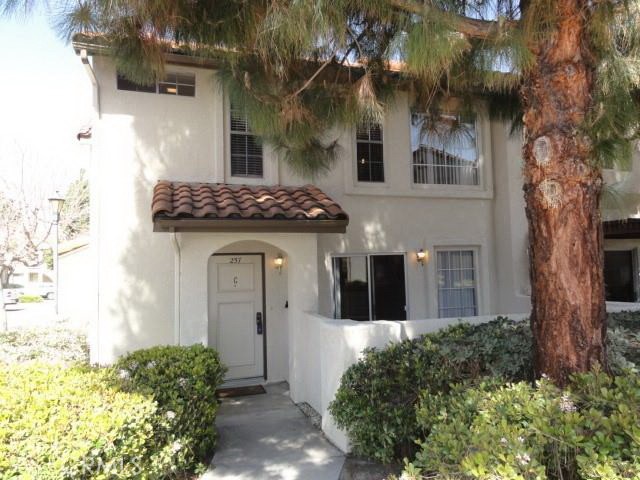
370	287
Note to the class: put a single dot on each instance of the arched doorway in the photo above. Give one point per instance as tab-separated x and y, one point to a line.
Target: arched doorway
247	318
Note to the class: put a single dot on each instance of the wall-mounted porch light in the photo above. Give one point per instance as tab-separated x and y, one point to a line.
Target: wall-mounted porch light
422	257
278	262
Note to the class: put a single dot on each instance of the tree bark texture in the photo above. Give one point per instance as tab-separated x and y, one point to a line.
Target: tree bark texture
562	189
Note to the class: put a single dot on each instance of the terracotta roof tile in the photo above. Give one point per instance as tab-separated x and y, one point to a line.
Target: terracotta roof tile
223	201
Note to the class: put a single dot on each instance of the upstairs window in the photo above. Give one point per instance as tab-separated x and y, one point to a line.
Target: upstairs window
369	152
182	84
444	150
125	84
246	148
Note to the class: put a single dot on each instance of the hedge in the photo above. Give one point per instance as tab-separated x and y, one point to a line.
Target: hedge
377	398
589	431
151	416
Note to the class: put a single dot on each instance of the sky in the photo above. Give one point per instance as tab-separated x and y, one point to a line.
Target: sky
45	99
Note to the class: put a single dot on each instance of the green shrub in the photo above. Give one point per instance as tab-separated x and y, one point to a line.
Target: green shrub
29	299
589	431
152	416
376	400
50	345
70	423
624	341
183	381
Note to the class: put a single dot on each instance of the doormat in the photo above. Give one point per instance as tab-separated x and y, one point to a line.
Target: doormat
240	391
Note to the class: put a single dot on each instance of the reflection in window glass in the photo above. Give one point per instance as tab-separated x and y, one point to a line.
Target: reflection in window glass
183	84
351	287
370	287
444	150
123	83
369	153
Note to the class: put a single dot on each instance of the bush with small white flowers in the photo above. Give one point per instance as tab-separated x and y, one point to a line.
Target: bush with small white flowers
150	416
493	430
183	382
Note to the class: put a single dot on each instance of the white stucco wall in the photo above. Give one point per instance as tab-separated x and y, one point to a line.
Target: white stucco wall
138	139
399	217
143	137
76	290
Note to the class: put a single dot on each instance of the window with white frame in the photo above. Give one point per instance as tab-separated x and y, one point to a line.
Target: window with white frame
444	149
181	84
246	148
369	152
457	283
370	287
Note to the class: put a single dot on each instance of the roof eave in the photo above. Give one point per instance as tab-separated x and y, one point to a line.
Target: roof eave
94	47
622	229
168	224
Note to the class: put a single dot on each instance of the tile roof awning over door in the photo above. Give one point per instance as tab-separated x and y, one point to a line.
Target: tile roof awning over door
219	207
628	228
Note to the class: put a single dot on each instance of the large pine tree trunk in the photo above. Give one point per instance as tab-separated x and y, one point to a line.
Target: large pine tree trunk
562	193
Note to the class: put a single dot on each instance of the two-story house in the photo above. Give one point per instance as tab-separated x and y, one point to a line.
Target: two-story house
200	234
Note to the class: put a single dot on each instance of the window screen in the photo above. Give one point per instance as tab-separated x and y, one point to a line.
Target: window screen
369	153
457	296
246	148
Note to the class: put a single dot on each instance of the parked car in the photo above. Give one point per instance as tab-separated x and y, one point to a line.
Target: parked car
12	292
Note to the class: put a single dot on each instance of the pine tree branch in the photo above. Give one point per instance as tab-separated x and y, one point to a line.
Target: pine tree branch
470	27
312	78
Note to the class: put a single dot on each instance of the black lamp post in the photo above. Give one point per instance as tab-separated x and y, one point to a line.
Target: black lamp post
56	203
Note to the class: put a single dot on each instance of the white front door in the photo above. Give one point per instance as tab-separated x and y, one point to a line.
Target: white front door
236	317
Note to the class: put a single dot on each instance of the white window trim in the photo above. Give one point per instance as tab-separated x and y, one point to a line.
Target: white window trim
158	82
367	256
477	268
177	84
354	162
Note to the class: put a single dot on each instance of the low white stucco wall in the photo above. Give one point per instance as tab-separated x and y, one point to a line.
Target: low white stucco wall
329	346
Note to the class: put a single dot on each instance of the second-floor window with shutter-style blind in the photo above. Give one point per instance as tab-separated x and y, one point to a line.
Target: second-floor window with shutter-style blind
246	148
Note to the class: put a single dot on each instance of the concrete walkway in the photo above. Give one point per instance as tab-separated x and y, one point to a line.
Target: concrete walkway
268	437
